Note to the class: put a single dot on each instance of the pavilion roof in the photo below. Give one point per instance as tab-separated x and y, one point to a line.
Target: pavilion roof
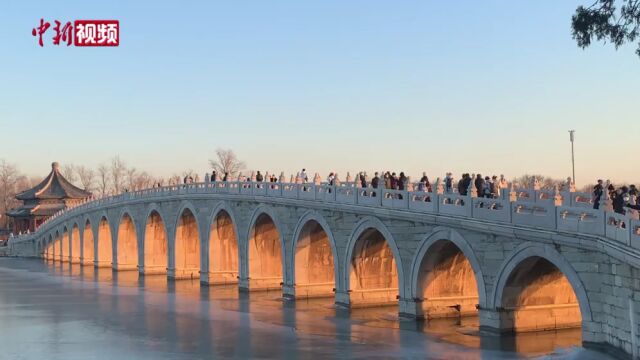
54	186
36	210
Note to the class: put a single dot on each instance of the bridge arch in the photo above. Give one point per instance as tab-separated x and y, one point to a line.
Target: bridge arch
222	246
186	243
371	234
104	255
75	243
66	244
516	282
88	243
264	250
314	270
126	242
445	256
39	247
155	243
57	243
48	250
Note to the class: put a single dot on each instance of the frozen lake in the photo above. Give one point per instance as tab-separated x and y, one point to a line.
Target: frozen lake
73	312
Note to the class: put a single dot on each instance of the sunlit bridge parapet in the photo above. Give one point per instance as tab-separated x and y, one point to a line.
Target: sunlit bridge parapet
530	260
574	212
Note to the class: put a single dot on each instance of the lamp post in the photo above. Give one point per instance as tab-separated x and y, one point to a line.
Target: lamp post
573	163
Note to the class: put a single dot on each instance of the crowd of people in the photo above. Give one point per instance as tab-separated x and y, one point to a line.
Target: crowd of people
488	187
621	198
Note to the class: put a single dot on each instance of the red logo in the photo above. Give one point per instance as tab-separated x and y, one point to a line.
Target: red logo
97	33
81	32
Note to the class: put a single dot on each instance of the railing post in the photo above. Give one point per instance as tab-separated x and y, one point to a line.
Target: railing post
437	193
473	193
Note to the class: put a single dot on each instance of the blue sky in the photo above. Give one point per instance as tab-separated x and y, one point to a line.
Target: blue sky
469	86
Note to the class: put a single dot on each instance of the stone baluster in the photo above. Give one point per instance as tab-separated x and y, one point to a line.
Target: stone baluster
292	179
633	213
571	185
536	184
239	176
357	183
439	187
253	176
349	178
472	191
513	196
282	177
317	179
557	198
336	180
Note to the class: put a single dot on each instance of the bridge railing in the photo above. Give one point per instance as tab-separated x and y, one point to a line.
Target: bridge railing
635	234
532	208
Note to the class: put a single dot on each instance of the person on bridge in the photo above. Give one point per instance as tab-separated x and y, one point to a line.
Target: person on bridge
259	177
331	178
387	180
620	199
598	190
422	186
424	179
363	180
394	181
463	184
303	176
214	176
448	183
225	177
486	187
375	181
479	183
402	181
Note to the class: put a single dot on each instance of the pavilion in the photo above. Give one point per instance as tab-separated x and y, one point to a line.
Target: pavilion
53	194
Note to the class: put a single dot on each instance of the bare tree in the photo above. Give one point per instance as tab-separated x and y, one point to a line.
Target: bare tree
174	179
142	180
87	177
546	183
118	172
11	183
69	172
131	178
227	162
103	180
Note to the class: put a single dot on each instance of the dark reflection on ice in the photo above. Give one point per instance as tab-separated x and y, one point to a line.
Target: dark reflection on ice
65	311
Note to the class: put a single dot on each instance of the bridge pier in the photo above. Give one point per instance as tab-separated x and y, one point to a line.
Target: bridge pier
494	321
243	284
410	308
343	299
288	291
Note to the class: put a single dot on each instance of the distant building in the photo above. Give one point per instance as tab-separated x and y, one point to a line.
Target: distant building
53	194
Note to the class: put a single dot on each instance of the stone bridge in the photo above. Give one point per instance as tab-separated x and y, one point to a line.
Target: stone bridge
528	261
